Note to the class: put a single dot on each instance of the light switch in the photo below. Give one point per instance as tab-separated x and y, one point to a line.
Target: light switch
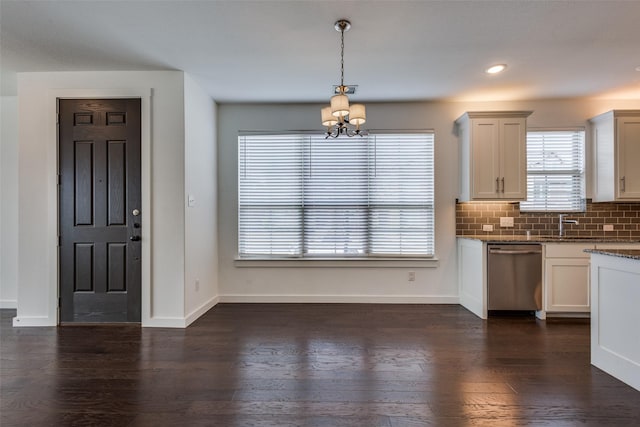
607	227
487	227
191	200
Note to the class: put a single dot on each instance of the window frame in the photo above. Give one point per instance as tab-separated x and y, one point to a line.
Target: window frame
304	258
573	172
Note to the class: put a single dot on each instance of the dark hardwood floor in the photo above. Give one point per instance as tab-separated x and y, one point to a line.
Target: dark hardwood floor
312	365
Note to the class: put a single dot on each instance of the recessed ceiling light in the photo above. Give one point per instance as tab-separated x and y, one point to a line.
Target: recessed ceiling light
494	69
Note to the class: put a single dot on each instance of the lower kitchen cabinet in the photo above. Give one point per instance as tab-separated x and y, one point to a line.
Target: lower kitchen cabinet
566	278
567	283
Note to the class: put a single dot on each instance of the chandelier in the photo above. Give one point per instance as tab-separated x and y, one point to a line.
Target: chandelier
340	117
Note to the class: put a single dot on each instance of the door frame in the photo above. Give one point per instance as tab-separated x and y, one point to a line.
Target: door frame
145	188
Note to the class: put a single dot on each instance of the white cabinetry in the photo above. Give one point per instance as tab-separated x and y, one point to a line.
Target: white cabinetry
566	275
472	267
616	136
493	157
615	347
566	278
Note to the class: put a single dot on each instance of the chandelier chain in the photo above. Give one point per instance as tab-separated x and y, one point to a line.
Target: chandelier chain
342	60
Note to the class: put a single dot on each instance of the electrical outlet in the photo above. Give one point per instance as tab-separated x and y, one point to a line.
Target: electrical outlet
607	227
506	221
411	276
487	227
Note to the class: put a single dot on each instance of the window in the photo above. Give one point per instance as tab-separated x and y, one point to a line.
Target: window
307	196
555	171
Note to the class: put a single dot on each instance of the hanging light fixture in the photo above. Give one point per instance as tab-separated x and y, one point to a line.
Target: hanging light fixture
339	117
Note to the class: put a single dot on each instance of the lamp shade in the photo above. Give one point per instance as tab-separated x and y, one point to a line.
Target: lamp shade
339	105
327	118
357	114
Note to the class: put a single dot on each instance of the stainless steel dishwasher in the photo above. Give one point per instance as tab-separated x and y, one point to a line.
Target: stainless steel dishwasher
514	281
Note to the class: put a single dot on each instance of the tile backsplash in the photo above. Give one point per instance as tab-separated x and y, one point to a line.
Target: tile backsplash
625	218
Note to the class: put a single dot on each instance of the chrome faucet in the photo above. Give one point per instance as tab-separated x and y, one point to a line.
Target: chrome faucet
562	221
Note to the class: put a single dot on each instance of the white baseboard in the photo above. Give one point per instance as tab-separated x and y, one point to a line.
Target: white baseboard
164	322
8	303
195	314
180	322
35	321
350	299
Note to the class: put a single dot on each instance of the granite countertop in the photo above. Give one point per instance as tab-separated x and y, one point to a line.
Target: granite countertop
622	253
547	239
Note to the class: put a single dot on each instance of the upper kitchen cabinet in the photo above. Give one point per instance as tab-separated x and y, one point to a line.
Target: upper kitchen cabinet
493	155
616	138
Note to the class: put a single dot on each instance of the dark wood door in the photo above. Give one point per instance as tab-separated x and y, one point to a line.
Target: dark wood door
99	202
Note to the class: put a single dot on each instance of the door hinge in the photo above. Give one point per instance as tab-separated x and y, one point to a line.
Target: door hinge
59	241
59	178
57	118
59	302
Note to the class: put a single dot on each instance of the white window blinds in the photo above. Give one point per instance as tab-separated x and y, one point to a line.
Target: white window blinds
307	196
555	171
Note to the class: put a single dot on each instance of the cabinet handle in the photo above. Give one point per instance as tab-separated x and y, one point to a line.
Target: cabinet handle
503	184
497	185
622	181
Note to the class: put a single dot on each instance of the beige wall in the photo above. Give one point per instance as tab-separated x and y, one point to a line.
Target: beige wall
8	202
163	241
174	145
378	281
201	257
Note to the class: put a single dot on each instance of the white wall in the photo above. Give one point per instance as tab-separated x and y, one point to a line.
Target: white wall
176	129
201	256
162	188
8	202
366	284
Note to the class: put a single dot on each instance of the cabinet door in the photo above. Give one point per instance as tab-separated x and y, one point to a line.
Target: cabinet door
628	135
513	161
485	134
567	285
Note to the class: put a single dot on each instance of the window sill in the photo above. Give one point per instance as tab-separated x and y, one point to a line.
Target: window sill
337	262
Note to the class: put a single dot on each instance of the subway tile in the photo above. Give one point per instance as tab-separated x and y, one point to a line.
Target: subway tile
625	217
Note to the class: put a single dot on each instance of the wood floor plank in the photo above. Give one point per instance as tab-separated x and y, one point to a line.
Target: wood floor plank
319	365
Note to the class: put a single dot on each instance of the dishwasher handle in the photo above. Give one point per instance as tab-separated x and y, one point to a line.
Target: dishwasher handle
515	252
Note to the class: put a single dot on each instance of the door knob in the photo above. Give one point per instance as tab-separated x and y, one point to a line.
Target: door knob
134	238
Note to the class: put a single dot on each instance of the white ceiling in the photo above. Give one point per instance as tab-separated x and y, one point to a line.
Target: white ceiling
288	51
